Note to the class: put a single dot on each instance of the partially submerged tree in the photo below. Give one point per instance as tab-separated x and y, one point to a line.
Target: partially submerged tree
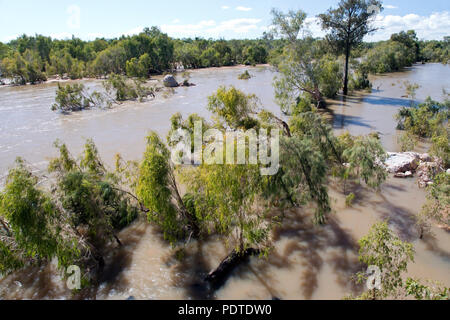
303	69
123	89
228	196
365	161
158	191
348	24
75	97
233	109
91	196
437	207
32	228
383	249
302	177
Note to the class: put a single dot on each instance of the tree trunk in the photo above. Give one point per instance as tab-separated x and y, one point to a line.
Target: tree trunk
219	276
347	58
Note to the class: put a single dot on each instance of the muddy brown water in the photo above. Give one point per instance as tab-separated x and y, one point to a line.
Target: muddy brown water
307	262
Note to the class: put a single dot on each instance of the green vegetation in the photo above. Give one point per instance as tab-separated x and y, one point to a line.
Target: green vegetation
245	75
76	97
34	59
383	249
73	223
427	120
348	24
76	215
436	209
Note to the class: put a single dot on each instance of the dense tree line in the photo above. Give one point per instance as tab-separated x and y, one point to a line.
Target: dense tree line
33	59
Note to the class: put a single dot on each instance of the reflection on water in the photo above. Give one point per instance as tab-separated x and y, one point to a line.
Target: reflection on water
307	261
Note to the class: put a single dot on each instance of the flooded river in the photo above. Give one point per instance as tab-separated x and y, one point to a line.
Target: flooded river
307	261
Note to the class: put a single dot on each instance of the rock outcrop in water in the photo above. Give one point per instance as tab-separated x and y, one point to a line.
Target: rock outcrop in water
170	82
405	164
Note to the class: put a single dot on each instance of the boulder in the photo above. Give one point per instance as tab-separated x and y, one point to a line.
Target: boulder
426	157
170	82
402	162
427	171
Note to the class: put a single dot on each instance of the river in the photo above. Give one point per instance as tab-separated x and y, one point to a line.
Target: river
307	262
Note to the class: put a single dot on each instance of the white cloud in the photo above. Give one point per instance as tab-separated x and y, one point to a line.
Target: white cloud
236	25
210	28
389	6
432	27
187	30
225	7
241	8
176	21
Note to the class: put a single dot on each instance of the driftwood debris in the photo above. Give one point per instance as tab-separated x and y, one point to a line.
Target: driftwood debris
219	276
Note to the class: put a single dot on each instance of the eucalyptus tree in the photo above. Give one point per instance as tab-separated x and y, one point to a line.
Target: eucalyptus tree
365	160
302	177
158	191
233	108
32	228
91	197
71	98
300	71
348	24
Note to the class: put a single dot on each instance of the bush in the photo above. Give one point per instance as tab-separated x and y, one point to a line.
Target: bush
245	75
71	98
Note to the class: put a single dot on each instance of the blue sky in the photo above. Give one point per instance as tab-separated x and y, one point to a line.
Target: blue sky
227	19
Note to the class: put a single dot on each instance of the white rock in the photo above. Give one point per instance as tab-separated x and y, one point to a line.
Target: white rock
402	162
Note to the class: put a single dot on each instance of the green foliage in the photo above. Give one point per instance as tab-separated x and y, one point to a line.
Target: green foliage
407	142
383	249
23	68
365	160
178	123
302	176
139	68
32	224
233	108
435	51
348	24
438	201
424	120
254	54
419	291
349	199
227	196
388	56
70	98
90	194
124	90
245	75
157	190
330	76
440	146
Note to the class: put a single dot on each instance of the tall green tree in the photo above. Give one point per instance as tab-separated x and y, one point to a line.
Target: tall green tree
348	24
